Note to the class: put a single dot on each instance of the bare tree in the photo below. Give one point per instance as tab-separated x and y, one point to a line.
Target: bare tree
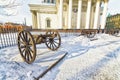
10	7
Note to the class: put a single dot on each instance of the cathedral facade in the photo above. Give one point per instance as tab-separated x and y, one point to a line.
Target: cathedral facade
69	14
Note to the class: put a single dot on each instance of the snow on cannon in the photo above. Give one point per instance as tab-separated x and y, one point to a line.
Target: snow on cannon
27	43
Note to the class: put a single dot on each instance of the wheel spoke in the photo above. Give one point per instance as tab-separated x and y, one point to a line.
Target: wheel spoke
23	51
26	36
48	43
52	46
23	46
56	39
30	49
29	45
56	42
29	40
30	56
52	32
47	40
22	37
25	56
21	42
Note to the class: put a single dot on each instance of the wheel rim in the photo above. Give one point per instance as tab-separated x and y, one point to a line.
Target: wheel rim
116	32
91	34
53	42
26	45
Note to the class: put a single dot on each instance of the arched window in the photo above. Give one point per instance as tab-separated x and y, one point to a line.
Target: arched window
48	22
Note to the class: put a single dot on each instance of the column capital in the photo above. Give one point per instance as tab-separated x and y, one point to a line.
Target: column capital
105	1
98	0
32	11
89	0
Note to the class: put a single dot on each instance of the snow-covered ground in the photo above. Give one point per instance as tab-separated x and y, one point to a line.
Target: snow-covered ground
86	60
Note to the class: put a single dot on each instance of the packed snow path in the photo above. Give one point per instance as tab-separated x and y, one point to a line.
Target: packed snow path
86	60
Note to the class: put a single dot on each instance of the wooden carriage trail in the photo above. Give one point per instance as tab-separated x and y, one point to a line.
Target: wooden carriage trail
51	67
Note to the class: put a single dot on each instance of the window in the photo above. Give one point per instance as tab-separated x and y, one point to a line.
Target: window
49	1
52	1
45	1
48	22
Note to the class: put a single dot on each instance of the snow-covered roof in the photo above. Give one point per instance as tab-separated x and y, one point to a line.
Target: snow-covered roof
40	2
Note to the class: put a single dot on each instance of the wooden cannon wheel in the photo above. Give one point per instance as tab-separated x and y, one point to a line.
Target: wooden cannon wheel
115	32
53	42
91	34
27	47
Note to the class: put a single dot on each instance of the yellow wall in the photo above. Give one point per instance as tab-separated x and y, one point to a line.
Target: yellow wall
114	20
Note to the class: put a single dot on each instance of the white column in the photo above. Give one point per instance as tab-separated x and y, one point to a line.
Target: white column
88	15
92	17
38	20
61	14
79	14
33	23
99	18
104	15
70	15
34	19
96	14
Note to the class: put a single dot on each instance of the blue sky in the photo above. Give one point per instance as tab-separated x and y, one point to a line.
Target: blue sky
114	6
23	12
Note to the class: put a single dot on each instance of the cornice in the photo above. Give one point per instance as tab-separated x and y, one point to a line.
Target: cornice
43	9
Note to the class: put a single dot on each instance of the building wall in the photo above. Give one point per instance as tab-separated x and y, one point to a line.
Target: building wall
52	11
113	21
53	18
83	20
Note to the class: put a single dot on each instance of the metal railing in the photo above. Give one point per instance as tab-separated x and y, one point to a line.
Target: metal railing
8	37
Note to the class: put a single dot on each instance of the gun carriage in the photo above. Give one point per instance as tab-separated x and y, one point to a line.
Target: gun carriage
27	43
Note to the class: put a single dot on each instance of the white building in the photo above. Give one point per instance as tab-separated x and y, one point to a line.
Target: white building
69	14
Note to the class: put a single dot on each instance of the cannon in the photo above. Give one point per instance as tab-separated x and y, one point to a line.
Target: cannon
90	33
27	43
113	32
